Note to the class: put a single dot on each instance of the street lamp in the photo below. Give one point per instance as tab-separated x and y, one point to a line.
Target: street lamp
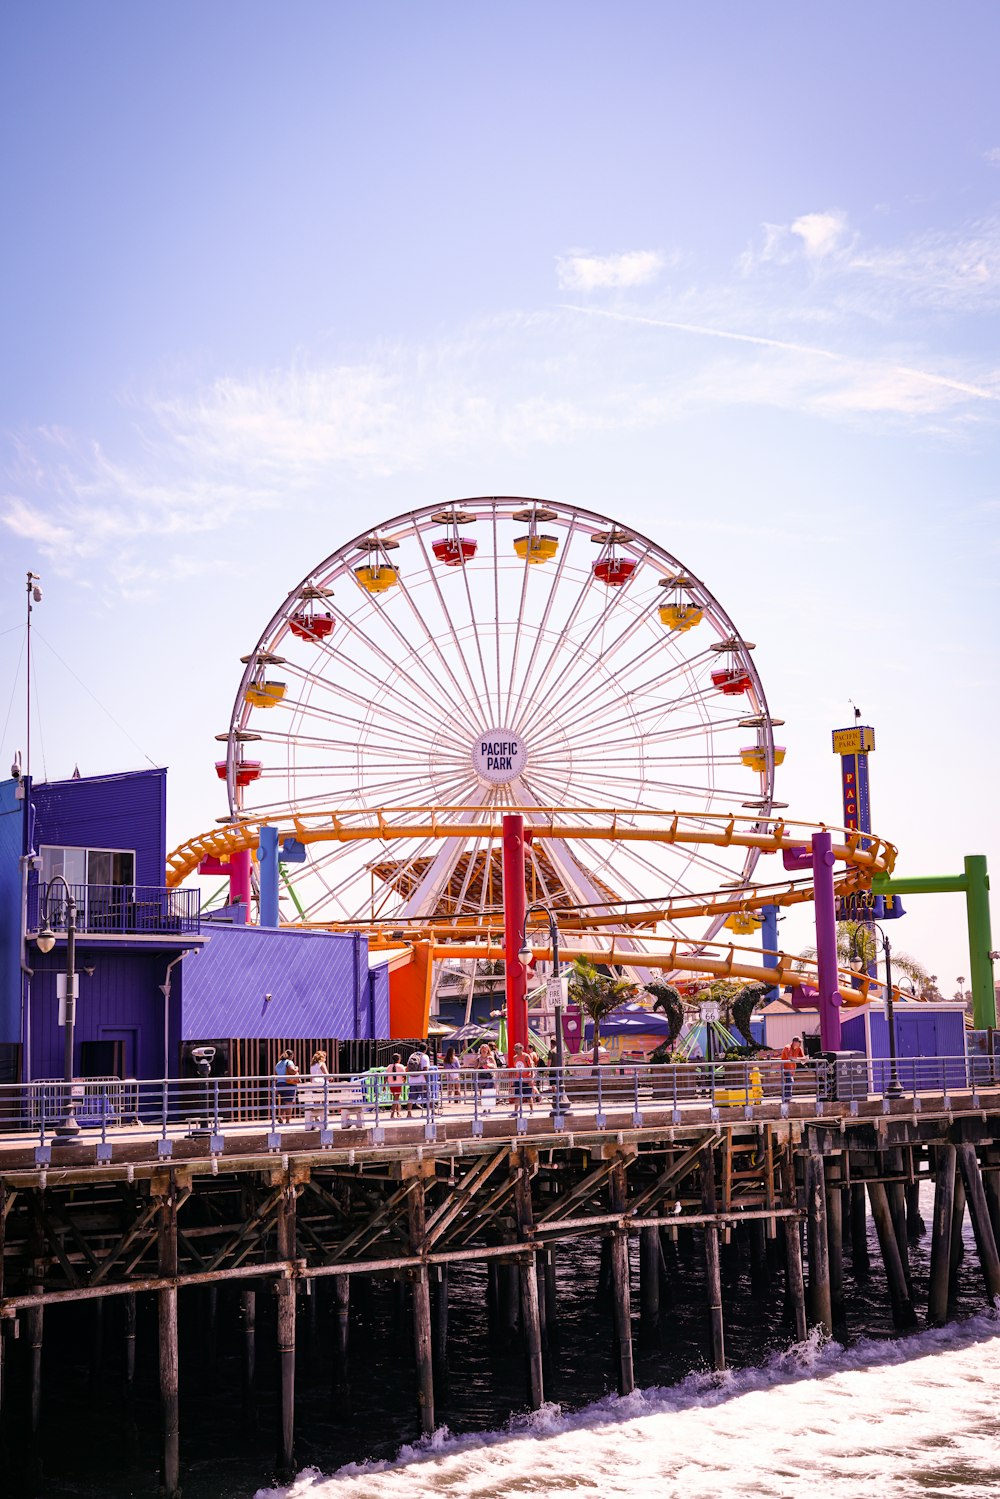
895	1088
560	1101
67	1129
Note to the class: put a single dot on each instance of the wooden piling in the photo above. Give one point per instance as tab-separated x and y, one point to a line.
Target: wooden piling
957	1225
248	1314
341	1329
423	1346
975	1195
915	1225
899	1292
896	1195
128	1361
991	1186
440	1328
524	1162
860	1258
944	1211
713	1277
835	1239
649	1287
166	1248
621	1287
820	1306
286	1336
551	1303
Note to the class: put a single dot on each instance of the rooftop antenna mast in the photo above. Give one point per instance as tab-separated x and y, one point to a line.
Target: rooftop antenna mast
34	597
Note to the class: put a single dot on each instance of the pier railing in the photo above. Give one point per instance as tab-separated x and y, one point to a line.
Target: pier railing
113	1113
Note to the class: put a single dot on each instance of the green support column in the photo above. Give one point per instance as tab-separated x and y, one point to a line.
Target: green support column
977	905
975	883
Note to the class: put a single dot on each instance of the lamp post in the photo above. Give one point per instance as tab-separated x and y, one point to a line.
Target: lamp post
560	1101
895	1088
67	1129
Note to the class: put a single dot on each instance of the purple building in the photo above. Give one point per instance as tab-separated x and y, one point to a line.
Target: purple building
153	977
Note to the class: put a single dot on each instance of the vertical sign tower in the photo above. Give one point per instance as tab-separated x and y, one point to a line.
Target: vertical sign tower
854	746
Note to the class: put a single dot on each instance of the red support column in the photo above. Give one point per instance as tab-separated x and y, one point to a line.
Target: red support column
514	907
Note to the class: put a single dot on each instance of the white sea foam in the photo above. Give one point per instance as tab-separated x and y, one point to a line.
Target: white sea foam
918	1416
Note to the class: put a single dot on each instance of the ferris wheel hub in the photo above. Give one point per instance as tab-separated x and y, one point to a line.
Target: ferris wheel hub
499	756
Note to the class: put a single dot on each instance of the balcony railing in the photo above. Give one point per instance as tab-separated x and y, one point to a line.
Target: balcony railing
116	910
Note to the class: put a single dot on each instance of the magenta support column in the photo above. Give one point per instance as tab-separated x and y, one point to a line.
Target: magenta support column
515	905
239	879
826	941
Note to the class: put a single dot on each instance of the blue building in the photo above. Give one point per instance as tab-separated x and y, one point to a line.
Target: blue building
153	976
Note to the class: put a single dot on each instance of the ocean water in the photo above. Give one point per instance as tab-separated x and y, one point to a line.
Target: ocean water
907	1417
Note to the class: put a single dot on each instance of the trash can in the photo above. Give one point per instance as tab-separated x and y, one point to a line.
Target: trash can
848	1074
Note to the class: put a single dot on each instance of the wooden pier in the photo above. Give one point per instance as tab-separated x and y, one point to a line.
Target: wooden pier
793	1185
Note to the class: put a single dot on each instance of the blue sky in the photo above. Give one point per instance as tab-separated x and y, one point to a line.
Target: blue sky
730	273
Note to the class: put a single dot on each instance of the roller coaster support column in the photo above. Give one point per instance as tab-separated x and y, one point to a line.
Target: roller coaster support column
821	861
239	880
975	884
769	942
267	873
515	903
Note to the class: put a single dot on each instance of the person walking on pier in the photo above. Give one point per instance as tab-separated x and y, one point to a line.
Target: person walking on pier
523	1079
791	1055
396	1075
418	1065
316	1090
288	1079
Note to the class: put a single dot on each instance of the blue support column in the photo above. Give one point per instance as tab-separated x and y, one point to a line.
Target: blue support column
267	873
769	942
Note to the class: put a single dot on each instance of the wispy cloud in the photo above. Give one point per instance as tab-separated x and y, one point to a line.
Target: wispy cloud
804	328
580	272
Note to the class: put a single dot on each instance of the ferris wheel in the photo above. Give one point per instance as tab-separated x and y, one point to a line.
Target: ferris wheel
499	653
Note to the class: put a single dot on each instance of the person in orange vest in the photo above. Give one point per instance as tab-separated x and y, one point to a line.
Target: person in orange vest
791	1056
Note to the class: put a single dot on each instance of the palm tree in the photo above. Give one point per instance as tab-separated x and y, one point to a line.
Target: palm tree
597	994
856	939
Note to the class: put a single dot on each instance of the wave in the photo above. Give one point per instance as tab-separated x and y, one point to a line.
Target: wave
893	1417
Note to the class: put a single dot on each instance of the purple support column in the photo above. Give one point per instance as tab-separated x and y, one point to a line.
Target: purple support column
826	941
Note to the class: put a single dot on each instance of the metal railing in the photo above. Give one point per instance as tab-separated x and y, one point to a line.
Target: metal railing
472	1101
116	910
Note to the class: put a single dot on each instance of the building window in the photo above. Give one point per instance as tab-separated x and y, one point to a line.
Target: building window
89	866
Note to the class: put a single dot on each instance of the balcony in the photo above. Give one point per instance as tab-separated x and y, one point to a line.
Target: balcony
116	910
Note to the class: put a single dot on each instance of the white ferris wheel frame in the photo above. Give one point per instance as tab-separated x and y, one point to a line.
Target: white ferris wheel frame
550	674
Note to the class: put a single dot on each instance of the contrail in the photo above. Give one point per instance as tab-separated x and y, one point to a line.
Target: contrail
777	343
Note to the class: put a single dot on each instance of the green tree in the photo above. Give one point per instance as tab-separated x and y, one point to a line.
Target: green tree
597	994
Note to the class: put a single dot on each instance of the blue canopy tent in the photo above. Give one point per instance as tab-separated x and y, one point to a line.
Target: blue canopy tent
630	1020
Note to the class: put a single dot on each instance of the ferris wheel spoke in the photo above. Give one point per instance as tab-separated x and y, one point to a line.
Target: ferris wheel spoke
463	703
403	715
543	624
602	659
361	639
460	654
436	689
607	704
611	603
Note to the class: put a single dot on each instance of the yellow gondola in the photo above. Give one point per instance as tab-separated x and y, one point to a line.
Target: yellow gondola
536	548
264	694
754	757
743	922
681	616
376	579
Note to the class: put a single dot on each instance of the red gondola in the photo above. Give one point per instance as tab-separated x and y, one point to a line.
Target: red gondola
311	626
732	681
454	550
246	771
614	571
